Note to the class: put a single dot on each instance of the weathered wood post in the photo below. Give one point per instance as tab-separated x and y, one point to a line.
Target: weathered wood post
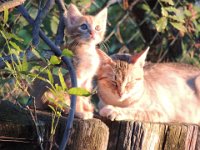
17	131
153	136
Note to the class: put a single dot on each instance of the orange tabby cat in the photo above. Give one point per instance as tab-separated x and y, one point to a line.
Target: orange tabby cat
84	32
129	89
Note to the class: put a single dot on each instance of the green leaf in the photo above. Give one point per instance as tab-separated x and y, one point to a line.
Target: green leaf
171	9
17	66
161	24
52	108
3	34
17	38
176	18
53	91
5	19
170	2
63	70
58	88
36	53
62	80
24	64
187	13
67	52
15	46
50	76
54	60
79	91
9	67
54	24
145	7
179	26
33	75
164	12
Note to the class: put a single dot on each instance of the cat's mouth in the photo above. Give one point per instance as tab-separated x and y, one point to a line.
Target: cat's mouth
120	94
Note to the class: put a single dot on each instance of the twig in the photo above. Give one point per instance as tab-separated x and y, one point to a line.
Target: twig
61	6
36	123
29	54
61	25
42	13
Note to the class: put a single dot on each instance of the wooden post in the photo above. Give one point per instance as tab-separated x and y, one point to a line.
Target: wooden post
153	136
18	131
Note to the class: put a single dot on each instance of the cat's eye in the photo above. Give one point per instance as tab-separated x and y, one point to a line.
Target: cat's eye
97	28
84	26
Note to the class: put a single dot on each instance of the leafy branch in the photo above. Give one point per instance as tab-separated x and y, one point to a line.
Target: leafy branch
68	63
37	33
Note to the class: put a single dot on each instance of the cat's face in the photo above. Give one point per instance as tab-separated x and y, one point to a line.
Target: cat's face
85	28
121	79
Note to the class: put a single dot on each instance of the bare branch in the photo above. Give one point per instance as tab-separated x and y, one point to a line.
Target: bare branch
42	13
61	25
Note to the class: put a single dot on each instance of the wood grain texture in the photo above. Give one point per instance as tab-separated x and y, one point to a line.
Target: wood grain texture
152	136
17	131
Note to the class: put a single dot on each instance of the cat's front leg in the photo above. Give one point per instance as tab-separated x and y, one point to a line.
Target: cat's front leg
84	108
114	113
131	113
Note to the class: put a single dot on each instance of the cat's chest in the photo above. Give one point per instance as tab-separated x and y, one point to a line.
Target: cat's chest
86	62
91	61
87	58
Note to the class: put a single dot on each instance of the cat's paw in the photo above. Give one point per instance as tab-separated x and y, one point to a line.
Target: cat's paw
84	115
110	112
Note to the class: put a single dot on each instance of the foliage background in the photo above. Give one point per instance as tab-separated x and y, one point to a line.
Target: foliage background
170	27
132	26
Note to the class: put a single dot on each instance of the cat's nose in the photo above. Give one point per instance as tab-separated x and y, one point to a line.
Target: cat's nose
92	34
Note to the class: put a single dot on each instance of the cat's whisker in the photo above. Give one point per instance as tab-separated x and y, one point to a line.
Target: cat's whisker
105	46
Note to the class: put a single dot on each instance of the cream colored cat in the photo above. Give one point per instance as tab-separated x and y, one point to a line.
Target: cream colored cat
129	89
84	32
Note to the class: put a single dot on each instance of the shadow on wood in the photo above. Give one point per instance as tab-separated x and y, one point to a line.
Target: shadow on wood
17	131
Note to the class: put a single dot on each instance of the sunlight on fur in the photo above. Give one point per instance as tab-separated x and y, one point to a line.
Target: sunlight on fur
162	92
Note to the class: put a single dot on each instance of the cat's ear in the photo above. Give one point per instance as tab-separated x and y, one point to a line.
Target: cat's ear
139	59
102	17
105	59
73	14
